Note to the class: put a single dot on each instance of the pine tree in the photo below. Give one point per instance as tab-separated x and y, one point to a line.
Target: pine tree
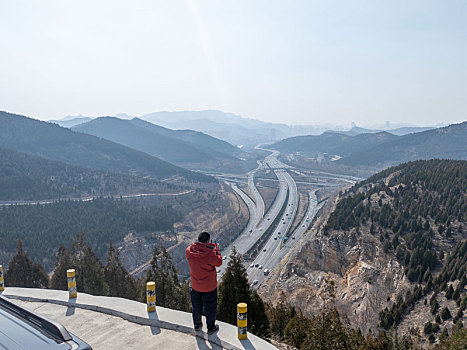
235	289
62	264
22	272
169	291
296	330
120	282
89	270
279	316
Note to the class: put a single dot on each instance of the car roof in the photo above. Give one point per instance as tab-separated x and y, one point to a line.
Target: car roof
23	329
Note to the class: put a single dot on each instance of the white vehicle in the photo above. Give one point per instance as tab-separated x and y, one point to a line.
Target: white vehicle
260	267
266	272
255	282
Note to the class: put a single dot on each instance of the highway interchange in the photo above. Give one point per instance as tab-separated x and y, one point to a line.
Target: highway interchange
282	238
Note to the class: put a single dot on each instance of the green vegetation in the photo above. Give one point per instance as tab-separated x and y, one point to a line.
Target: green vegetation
178	146
410	208
326	330
44	227
27	177
51	141
170	292
22	272
235	289
381	149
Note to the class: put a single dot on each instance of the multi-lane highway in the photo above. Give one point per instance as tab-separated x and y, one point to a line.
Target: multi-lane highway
278	245
285	204
256	227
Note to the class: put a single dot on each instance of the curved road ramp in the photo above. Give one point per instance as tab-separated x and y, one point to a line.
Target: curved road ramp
116	323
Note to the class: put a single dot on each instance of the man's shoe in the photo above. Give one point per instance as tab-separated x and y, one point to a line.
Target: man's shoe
198	327
214	330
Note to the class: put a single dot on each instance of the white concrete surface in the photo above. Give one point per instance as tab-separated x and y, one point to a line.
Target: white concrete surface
179	323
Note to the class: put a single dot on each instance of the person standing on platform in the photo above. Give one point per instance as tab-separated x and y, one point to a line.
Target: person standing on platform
203	258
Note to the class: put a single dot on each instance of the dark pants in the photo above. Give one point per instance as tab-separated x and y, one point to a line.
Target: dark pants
208	301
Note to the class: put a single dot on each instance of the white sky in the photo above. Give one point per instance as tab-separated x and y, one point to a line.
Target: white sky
298	62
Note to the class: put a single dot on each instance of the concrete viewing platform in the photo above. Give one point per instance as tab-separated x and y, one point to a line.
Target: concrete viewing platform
116	323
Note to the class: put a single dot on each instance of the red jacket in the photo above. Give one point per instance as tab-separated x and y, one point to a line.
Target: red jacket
203	261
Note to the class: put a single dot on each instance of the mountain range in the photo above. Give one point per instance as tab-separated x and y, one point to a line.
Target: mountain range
382	149
187	148
51	141
235	129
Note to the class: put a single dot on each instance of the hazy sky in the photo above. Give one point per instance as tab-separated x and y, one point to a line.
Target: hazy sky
300	62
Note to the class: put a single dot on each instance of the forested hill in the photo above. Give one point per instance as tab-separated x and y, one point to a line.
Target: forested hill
449	142
418	213
333	143
180	147
25	177
197	138
383	149
51	141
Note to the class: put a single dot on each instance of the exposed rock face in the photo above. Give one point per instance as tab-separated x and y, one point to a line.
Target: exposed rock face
401	231
365	276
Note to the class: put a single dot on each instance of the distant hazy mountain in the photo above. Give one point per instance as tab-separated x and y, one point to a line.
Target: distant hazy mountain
356	130
71	122
230	127
51	141
195	138
332	143
181	147
449	142
410	130
399	131
383	148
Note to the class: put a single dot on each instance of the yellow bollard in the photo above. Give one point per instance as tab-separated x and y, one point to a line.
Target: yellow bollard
242	320
72	290
2	282
151	296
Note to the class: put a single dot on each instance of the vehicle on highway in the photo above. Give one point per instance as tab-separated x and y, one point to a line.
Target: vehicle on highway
250	230
256	265
266	272
269	218
252	265
264	249
261	229
225	257
24	329
275	238
255	282
218	270
293	237
260	267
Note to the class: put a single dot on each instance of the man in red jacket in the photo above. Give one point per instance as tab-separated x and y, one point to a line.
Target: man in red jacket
203	258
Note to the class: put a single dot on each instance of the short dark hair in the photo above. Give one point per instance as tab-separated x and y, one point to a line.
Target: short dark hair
204	237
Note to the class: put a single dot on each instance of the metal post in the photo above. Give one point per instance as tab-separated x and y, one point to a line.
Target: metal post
2	282
242	320
72	290
151	296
